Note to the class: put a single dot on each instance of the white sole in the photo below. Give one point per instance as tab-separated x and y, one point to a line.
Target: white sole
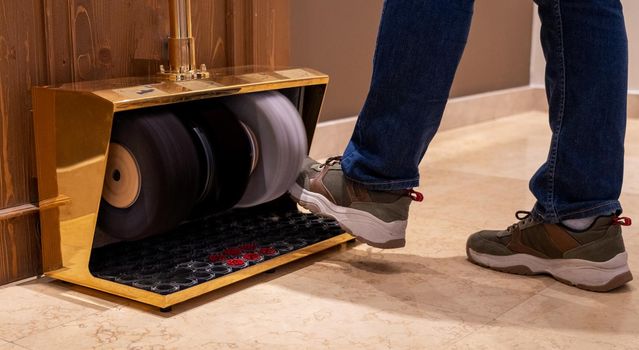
590	275
363	225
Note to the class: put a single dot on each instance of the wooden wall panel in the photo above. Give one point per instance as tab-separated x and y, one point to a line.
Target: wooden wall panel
209	31
51	42
91	39
267	23
19	248
22	65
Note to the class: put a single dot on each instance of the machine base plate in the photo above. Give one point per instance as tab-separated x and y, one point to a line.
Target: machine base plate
216	248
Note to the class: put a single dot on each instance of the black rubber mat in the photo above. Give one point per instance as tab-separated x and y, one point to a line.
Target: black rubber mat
208	248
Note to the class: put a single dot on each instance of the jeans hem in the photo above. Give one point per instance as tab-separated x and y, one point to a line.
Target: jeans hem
605	208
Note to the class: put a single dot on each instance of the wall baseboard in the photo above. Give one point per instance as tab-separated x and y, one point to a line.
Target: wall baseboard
332	137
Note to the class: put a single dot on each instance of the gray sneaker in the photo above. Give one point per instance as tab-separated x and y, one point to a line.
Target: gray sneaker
377	218
594	259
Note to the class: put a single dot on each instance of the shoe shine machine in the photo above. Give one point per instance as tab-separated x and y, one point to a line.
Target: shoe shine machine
165	188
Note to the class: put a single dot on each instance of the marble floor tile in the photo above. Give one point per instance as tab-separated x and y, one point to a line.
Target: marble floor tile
10	346
512	147
31	307
267	316
404	283
505	336
560	309
477	200
424	296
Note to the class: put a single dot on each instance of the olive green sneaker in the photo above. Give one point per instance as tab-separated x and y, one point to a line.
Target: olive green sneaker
377	218
594	259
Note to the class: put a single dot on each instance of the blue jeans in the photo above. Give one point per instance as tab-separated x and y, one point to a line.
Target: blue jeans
419	46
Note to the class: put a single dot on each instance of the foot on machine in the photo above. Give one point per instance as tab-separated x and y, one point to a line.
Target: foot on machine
377	218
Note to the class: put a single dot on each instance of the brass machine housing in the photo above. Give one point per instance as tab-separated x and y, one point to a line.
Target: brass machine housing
73	124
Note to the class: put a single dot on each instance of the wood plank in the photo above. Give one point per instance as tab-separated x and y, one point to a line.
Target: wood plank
209	31
57	41
21	66
19	248
258	32
118	38
270	32
238	27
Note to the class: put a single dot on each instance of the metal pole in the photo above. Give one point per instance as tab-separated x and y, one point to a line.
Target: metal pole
181	44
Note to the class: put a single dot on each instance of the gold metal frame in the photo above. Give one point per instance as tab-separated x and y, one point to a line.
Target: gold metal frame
72	126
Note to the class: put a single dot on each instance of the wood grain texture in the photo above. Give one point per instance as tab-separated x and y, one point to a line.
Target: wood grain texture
266	22
52	42
22	64
19	248
91	39
270	32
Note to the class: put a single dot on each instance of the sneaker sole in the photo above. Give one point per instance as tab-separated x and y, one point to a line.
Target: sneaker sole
588	275
363	225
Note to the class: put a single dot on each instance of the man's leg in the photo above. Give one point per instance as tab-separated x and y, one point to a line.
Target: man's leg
418	50
419	46
586	53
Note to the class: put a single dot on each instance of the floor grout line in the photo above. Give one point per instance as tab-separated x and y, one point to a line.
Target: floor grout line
18	345
494	320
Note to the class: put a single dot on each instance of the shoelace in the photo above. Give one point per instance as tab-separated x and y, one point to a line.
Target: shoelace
331	161
524	217
414	195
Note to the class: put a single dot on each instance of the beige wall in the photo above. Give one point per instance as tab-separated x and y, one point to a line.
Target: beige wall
497	55
631	9
338	37
537	60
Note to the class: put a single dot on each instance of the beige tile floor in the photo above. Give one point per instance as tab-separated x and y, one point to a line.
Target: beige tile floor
425	296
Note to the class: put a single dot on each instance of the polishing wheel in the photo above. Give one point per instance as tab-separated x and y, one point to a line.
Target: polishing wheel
281	140
228	167
152	178
199	158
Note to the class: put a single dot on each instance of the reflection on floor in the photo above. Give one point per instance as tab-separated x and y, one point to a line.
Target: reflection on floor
424	296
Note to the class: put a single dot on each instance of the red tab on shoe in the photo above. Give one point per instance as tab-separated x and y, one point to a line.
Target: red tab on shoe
621	221
416	196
